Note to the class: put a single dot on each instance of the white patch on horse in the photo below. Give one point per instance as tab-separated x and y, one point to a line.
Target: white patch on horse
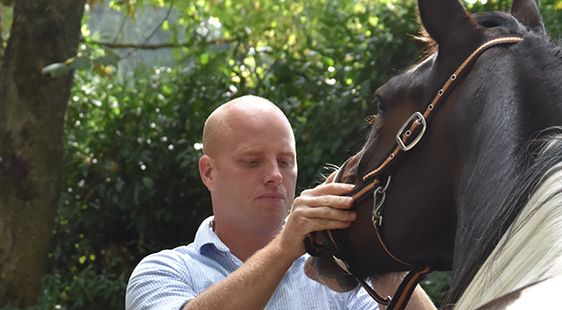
530	250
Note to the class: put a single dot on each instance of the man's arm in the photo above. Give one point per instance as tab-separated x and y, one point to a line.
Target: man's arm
420	300
252	285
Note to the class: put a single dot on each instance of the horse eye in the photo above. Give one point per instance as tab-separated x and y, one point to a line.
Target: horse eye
379	109
378	105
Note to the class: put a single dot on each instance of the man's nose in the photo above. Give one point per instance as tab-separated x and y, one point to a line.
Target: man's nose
274	174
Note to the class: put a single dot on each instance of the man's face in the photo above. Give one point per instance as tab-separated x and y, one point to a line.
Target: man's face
254	174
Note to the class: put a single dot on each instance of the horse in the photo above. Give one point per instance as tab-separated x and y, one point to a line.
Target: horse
462	169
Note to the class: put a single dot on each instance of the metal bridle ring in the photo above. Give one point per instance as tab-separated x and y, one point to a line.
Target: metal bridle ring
376	216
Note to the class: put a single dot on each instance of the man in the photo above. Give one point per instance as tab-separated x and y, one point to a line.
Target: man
249	255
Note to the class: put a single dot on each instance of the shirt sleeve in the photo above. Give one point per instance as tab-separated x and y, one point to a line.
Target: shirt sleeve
159	282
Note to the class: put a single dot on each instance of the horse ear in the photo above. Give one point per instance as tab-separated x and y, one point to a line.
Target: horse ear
527	12
447	22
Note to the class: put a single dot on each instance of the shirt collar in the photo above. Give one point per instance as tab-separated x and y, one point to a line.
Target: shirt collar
205	236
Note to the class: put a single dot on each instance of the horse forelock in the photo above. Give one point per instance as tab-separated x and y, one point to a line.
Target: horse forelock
430	46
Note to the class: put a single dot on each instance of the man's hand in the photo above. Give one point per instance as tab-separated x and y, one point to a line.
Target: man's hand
316	209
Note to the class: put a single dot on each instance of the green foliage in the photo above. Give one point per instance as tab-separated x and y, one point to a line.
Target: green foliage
132	142
5	24
132	184
436	285
103	61
552	17
551	11
89	288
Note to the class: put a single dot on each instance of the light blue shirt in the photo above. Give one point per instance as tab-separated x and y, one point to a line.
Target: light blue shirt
166	280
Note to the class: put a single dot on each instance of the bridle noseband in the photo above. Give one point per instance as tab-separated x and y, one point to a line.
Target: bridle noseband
377	181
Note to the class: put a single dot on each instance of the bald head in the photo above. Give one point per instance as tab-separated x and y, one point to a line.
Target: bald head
249	166
239	113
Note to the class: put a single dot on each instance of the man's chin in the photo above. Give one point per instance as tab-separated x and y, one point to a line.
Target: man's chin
273	214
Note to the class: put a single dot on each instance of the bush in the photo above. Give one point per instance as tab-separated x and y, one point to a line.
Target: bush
132	142
132	184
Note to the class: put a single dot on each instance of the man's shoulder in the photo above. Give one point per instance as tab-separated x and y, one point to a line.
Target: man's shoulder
158	276
178	257
180	253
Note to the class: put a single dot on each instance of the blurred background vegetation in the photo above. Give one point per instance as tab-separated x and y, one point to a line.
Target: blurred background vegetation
147	75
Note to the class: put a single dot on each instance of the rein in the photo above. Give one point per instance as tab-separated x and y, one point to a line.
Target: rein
407	137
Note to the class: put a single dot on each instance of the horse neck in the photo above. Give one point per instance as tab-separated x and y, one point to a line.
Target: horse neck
508	110
491	152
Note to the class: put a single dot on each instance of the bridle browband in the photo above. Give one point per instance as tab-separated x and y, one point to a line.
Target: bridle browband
408	136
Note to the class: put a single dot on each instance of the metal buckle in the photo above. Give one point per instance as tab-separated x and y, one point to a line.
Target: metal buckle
376	216
417	116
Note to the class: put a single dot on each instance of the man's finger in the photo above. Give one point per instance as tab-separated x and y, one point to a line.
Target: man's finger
329	189
327	213
338	202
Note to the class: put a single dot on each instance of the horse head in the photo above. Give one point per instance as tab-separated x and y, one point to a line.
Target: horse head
436	178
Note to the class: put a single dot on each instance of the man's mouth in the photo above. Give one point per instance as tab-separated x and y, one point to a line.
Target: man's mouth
272	197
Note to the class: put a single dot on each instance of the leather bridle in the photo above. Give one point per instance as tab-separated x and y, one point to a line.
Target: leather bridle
377	180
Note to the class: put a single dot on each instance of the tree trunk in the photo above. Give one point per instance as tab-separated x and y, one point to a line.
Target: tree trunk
32	110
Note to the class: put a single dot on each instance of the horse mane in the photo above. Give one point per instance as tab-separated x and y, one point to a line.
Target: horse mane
530	251
545	152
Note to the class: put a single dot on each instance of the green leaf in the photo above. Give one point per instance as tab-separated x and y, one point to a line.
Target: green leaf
106	61
204	58
148	183
79	63
56	69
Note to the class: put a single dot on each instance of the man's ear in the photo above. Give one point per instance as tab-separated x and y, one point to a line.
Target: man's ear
206	167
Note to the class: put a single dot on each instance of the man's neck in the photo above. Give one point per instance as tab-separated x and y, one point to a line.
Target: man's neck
244	244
